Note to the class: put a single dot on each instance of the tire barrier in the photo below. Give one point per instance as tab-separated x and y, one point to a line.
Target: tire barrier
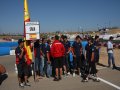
7	48
4	51
8	44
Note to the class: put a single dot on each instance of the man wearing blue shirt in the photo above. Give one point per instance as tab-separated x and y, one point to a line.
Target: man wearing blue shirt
77	52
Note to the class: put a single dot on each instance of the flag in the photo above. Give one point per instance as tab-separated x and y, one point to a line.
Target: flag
27	43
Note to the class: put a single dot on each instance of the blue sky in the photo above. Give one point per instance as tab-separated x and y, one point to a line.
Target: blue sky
63	15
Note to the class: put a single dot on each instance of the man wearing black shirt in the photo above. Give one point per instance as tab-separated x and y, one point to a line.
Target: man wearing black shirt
90	57
66	62
37	58
21	64
97	48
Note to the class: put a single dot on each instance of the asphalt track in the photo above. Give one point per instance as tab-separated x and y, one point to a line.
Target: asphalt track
110	80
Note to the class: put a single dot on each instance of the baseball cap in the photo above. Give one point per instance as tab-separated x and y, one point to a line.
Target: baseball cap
20	41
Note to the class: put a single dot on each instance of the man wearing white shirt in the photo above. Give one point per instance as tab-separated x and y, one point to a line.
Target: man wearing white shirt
110	53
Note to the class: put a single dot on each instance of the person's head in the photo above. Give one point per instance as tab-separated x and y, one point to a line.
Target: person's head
49	41
62	38
65	38
90	40
36	44
21	43
43	40
52	39
56	37
96	38
78	38
111	38
38	41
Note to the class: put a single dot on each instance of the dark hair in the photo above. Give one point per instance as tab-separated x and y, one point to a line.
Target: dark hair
56	37
65	37
62	36
52	37
43	39
36	44
77	37
91	39
111	38
49	41
96	37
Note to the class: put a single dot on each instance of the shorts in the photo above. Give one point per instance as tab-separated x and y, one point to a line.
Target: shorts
65	60
58	62
77	62
97	57
22	70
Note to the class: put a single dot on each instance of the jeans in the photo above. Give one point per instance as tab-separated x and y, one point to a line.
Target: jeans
111	57
37	64
67	62
42	65
49	70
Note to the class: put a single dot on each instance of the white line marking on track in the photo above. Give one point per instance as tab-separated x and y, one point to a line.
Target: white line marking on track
109	83
100	68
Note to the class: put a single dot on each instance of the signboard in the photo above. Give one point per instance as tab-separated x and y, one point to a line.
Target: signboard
32	30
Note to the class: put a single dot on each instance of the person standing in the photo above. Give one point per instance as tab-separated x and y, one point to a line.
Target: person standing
43	59
97	49
37	58
77	52
21	64
49	59
110	53
57	52
90	57
66	61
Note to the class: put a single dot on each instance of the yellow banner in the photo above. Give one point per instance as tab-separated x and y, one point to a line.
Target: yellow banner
26	12
27	43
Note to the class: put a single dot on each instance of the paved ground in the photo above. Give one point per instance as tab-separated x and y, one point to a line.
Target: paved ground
110	78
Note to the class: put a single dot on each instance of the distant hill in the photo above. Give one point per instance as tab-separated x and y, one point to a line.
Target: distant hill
113	31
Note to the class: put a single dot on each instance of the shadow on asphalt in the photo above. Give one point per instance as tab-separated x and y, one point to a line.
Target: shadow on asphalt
2	78
100	64
117	68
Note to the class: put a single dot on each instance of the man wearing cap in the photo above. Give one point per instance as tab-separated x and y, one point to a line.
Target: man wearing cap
21	64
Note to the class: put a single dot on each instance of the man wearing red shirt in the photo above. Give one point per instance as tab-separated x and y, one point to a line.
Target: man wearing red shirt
57	52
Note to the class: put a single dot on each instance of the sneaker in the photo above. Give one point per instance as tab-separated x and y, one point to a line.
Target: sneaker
21	85
73	74
84	80
48	76
56	79
96	79
68	73
27	84
114	67
80	74
60	78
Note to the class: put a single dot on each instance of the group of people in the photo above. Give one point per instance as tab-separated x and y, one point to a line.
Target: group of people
53	58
